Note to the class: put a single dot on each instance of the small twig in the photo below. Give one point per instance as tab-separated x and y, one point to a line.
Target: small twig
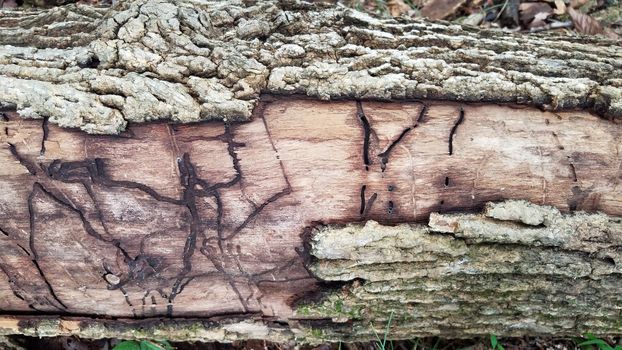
486	9
554	25
502	9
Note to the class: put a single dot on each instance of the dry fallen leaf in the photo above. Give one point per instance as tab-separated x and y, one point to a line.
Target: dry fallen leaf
474	19
8	3
476	5
440	9
539	20
560	7
611	34
397	7
584	23
578	3
529	10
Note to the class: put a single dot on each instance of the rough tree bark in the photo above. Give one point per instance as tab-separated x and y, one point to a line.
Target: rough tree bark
483	198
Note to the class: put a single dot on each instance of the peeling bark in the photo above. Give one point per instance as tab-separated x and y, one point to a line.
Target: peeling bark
516	269
213	224
187	61
230	229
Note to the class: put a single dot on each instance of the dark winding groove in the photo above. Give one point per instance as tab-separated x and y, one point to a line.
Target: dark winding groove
453	130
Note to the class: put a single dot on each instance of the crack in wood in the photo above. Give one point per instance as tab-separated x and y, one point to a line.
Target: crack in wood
370	202
384	156
453	130
15	288
189	181
35	257
362	210
32	169
45	131
92	171
360	114
573	170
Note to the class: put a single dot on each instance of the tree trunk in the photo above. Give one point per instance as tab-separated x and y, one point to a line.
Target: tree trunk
466	212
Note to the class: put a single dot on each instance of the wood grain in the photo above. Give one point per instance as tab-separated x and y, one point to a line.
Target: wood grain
207	219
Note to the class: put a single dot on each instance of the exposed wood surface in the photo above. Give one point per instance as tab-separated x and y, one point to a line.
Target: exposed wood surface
189	60
214	219
287	218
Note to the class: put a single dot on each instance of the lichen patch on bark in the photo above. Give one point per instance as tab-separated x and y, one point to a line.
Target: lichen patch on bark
153	329
515	269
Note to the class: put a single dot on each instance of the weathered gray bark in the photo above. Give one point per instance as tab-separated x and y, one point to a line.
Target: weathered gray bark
517	267
187	61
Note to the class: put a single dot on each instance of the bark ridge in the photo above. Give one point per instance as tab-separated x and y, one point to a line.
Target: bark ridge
192	60
516	268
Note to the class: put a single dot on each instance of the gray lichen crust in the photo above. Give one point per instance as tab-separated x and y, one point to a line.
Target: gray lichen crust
515	269
186	330
191	60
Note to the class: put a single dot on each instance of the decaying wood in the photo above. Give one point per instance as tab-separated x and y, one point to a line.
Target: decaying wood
287	218
222	231
192	60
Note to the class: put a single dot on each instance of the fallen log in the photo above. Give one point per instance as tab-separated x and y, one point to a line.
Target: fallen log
483	196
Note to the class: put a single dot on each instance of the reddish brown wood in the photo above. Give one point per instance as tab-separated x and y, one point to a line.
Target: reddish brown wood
209	219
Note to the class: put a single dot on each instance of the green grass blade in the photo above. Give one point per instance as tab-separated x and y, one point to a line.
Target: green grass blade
386	331
494	342
601	344
127	345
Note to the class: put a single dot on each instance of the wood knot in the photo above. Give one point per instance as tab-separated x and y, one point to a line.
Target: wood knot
112	279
